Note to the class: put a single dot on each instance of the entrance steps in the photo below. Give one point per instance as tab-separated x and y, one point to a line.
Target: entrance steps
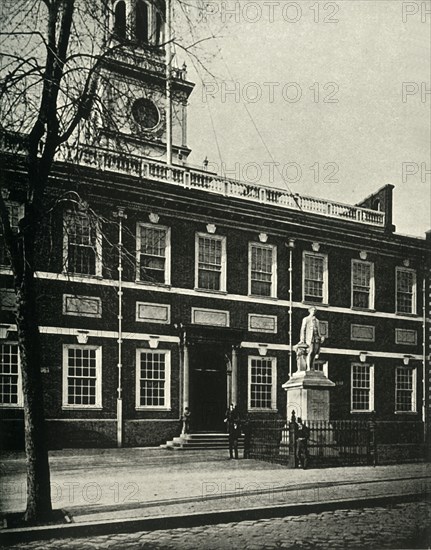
200	441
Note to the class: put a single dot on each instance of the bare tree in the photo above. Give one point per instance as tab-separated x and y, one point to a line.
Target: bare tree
52	52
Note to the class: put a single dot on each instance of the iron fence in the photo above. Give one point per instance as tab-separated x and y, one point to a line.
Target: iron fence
336	442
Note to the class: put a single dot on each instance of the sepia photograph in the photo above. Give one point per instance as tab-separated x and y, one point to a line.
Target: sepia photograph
215	274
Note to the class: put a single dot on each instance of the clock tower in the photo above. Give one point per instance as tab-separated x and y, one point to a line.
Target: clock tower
133	85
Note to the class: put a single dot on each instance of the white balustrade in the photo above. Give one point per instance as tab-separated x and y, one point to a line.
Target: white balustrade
134	165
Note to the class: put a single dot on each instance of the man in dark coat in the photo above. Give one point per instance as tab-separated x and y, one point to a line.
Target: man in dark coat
234	429
302	435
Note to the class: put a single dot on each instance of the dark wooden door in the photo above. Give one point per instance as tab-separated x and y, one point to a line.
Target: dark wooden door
208	391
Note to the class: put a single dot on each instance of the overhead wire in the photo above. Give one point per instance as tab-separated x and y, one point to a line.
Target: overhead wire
276	164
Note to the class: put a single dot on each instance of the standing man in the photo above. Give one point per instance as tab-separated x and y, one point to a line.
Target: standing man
234	429
310	335
186	421
302	434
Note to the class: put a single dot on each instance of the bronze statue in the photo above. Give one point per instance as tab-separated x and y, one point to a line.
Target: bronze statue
310	335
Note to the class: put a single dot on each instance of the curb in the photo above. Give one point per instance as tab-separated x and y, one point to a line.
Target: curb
196	519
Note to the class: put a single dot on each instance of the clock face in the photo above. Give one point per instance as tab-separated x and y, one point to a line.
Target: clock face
145	113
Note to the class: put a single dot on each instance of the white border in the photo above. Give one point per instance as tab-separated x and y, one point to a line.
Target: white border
325	296
274	277
414	409
223	270
362	339
263	316
167	405
98	404
167	277
98	252
20	403
148	319
206	310
371	298
398	330
273	387
400	269
82	314
371	400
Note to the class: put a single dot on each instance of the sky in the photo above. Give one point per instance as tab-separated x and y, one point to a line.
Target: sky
328	99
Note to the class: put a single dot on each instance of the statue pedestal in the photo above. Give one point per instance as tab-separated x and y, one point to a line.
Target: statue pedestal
308	395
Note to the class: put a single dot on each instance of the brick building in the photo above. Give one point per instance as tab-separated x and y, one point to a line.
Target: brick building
216	276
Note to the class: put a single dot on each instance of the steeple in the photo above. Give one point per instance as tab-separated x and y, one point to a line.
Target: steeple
133	84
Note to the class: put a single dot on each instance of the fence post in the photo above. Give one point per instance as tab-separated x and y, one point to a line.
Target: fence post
373	438
292	441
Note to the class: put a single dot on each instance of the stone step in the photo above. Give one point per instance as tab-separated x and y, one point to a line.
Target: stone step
202	440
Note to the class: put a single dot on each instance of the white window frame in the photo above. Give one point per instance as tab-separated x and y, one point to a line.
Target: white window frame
325	367
371	388
167	277
98	403
273	387
371	296
223	269
167	405
20	401
413	390
97	250
414	296
273	249
325	292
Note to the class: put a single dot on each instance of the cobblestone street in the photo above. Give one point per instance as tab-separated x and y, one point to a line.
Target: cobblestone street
400	526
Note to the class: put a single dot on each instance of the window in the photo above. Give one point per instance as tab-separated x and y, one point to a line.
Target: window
362	284
142	21
10	376
405	389
362	388
153	379
120	19
82	245
82	378
262	262
406	290
159	29
315	278
210	262
262	383
16	213
153	254
321	366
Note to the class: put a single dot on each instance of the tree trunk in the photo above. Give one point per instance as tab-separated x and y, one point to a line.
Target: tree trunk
38	479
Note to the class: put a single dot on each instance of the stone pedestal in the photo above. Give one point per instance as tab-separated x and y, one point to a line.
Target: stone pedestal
308	395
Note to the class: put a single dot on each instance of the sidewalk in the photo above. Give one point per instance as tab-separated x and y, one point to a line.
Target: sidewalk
112	486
